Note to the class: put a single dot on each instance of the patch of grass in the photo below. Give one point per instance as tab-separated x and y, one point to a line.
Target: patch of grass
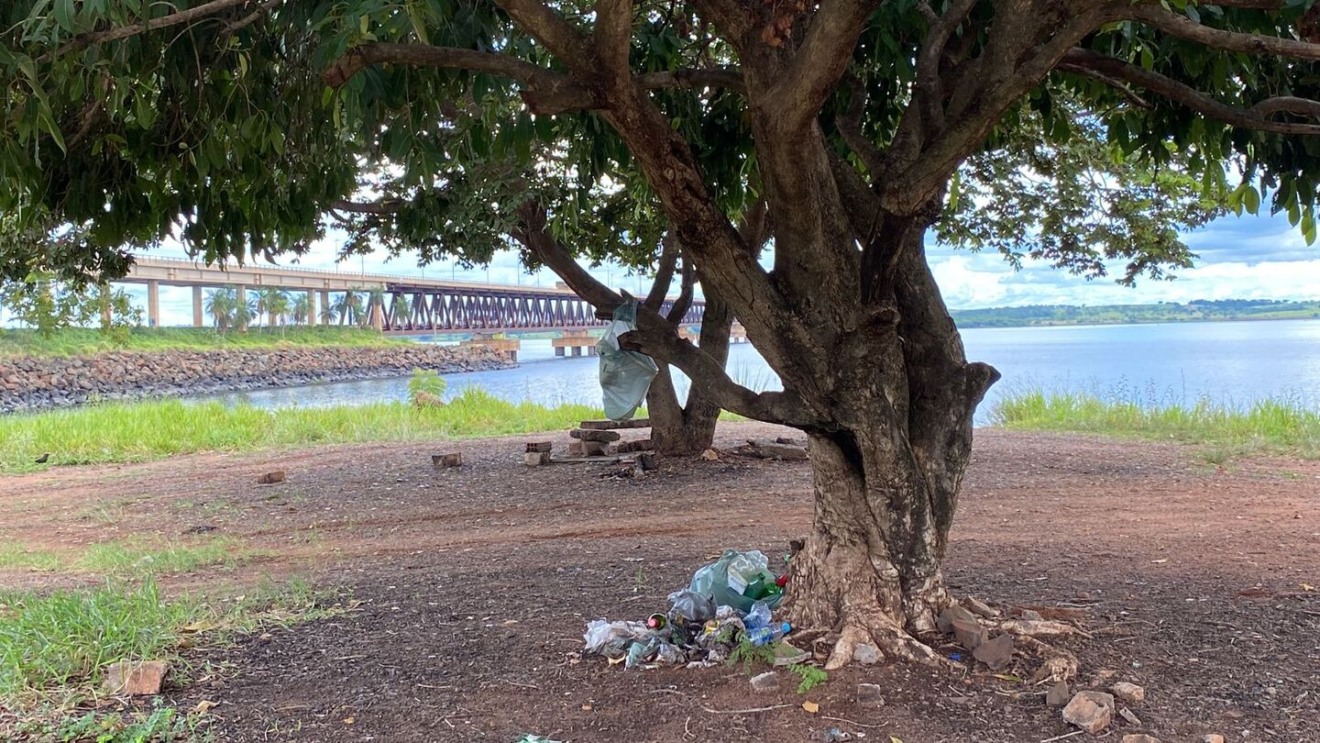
82	341
55	645
1268	426
137	558
160	724
150	430
15	555
810	676
64	638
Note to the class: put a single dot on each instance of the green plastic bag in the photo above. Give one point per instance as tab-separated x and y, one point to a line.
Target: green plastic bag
625	376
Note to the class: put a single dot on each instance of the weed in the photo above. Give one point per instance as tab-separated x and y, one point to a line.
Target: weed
15	555
425	381
750	656
1267	426
810	676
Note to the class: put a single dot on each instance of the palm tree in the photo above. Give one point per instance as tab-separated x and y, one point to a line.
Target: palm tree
349	308
273	303
301	309
220	305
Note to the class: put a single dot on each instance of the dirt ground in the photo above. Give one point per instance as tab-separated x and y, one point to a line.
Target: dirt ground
475	585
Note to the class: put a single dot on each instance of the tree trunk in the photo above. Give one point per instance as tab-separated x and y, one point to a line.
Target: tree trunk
689	429
886	481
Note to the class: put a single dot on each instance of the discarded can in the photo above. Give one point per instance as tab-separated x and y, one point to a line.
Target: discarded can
657	621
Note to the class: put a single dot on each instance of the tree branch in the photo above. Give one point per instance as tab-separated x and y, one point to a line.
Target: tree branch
1289	104
664	274
849	124
657	337
559	37
1229	41
1081	60
545	92
613	35
819	61
92	38
684	301
389	206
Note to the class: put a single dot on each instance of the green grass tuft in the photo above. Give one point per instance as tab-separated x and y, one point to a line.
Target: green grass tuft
83	341
150	430
1266	427
64	638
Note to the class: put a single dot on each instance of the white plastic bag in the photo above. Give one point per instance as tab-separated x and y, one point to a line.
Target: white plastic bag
625	376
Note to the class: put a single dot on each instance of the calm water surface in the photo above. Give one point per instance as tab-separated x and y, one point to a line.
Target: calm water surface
1231	363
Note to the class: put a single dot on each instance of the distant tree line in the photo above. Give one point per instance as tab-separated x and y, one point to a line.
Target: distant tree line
1116	314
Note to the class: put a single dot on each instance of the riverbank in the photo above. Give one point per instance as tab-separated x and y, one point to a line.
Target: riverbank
88	341
459	589
33	383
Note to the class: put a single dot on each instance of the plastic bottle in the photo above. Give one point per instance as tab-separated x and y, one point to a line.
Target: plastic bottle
767	635
757	617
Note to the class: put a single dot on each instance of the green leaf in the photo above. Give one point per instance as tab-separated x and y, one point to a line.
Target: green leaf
1251	199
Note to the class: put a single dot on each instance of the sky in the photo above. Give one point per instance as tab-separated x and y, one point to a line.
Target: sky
1249	257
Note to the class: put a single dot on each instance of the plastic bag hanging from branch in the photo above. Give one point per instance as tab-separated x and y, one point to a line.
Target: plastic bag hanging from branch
625	376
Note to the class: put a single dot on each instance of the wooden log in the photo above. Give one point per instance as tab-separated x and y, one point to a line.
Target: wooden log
590	435
625	447
538	446
536	458
615	425
447	460
575	449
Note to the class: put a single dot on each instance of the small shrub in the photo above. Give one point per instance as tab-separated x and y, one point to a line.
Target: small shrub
425	385
750	655
811	676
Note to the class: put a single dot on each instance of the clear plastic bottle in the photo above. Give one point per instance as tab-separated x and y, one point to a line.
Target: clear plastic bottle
768	634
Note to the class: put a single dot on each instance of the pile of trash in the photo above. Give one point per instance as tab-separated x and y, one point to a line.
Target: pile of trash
728	602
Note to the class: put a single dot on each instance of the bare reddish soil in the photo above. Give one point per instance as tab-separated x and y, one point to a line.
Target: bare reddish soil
475	585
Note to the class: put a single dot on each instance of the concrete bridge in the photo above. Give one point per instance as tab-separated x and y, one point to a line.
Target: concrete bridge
396	304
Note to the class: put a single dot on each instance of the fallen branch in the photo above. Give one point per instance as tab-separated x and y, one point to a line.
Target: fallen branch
746	711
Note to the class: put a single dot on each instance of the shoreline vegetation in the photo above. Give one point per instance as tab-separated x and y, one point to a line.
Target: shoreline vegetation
1219	310
1283	427
87	341
139	431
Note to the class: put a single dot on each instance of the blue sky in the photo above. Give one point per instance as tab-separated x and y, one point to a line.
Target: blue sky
1240	258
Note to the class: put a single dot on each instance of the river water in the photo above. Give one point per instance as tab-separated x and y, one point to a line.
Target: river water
1231	363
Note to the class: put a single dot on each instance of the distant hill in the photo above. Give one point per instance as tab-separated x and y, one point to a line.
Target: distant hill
1120	314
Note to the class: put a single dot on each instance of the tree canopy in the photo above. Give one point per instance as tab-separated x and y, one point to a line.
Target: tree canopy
1082	132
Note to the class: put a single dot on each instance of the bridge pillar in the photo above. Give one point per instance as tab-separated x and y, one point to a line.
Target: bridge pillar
241	292
197	307
153	304
312	309
325	300
377	314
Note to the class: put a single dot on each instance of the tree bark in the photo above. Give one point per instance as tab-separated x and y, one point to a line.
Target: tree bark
689	429
887	479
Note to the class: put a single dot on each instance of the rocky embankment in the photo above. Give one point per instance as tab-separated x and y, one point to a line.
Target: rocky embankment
41	382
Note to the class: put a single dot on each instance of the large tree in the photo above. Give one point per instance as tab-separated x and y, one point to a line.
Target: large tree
860	124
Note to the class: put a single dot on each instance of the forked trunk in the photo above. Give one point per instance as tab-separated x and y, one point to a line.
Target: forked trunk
887	475
689	429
